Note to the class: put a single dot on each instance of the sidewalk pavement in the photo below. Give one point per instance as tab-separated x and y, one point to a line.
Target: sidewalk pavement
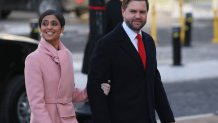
207	118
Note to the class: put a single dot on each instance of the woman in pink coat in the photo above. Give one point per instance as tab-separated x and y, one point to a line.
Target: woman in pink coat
49	75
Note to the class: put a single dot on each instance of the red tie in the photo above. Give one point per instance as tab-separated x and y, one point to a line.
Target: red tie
141	50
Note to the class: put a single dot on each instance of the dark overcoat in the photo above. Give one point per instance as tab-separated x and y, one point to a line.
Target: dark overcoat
135	92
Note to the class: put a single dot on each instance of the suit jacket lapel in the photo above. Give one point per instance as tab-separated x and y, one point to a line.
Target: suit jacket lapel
147	45
128	47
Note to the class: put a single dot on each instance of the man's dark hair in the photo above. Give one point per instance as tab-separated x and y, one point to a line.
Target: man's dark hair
57	14
126	2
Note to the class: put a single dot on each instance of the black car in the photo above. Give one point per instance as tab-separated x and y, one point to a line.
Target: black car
39	6
14	106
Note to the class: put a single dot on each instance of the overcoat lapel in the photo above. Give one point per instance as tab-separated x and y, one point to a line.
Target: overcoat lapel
146	42
128	47
63	59
65	87
67	77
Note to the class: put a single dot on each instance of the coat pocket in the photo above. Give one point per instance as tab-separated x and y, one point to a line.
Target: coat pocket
66	110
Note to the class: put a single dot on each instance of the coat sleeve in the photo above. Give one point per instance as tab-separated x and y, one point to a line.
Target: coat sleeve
99	72
161	102
79	95
35	90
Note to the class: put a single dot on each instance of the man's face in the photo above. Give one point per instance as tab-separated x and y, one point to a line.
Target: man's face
135	15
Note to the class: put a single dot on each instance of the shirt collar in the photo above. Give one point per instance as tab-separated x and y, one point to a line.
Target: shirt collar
130	32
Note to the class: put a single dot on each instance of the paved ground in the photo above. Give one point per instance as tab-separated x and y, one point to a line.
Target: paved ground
199	119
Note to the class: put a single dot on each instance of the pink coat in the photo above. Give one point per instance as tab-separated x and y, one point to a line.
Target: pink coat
50	86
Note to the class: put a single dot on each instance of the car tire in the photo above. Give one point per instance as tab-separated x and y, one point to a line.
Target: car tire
48	4
4	14
12	101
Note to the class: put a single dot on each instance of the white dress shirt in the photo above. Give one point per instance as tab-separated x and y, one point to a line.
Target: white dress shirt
131	34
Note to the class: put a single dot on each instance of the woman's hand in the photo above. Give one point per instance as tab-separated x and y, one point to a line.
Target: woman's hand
106	87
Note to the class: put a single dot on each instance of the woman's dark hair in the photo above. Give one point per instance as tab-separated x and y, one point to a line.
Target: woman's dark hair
126	2
57	14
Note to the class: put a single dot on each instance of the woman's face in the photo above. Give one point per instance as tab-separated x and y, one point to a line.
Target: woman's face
51	28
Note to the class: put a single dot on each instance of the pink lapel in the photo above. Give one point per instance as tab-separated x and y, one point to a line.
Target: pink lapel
64	59
48	49
67	77
66	83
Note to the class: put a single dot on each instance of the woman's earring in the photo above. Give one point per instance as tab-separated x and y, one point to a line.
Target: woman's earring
61	35
41	34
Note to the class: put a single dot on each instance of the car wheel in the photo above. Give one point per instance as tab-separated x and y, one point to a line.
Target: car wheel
15	107
4	14
48	4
